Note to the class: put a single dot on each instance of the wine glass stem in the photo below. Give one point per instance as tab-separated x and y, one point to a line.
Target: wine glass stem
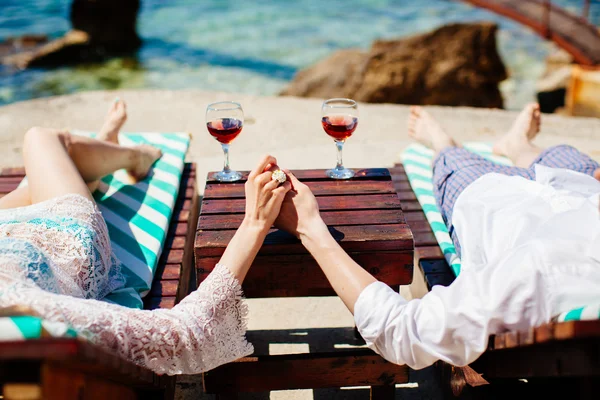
226	153
340	147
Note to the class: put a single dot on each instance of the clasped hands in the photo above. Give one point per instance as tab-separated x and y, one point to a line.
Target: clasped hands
290	206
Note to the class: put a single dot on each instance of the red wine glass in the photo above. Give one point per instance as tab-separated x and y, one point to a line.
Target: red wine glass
224	121
339	118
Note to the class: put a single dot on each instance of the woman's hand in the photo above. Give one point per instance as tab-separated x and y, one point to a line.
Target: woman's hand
299	213
263	202
264	196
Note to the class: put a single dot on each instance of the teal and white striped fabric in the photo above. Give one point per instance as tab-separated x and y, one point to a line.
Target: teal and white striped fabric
26	327
417	160
137	216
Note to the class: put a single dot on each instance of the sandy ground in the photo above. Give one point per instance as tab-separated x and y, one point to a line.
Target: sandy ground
290	129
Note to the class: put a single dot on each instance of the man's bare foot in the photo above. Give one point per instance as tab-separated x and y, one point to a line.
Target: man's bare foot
524	130
426	130
146	156
116	117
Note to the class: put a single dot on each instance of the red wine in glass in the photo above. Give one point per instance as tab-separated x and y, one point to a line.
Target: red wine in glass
225	129
339	127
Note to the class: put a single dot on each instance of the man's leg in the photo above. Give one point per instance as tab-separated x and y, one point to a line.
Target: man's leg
567	157
454	168
517	144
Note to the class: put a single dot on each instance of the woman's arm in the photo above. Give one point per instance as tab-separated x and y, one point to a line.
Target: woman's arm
203	331
263	202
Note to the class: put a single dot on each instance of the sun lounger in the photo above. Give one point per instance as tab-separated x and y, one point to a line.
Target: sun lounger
567	348
152	226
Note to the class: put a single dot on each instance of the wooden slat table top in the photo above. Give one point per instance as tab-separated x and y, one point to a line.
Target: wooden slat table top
436	271
364	214
359	211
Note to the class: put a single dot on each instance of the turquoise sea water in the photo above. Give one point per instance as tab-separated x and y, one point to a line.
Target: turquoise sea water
255	46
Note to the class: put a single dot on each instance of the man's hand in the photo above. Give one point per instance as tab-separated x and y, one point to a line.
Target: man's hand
299	213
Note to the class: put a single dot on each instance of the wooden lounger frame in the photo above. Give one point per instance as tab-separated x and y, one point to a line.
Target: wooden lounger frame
51	368
568	350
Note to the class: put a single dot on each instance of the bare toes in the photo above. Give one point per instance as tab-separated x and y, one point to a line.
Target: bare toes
416	111
413	118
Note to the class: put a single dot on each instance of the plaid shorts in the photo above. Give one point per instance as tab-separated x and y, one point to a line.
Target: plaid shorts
456	168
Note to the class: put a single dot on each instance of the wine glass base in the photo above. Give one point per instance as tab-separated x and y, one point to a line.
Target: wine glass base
340	173
227	176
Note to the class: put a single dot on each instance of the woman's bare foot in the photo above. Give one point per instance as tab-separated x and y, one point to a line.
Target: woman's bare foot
597	174
146	156
524	130
425	130
116	117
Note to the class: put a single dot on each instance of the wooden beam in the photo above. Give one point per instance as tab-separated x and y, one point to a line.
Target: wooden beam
304	371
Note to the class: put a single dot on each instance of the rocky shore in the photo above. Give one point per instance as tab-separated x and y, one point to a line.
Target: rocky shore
455	65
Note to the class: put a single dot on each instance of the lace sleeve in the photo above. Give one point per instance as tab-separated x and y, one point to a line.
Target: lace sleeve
203	331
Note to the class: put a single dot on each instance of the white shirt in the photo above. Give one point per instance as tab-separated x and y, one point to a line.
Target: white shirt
530	251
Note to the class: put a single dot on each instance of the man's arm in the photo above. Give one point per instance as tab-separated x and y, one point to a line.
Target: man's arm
454	323
449	323
347	278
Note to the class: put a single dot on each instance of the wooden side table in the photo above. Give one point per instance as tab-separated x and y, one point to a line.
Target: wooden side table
365	215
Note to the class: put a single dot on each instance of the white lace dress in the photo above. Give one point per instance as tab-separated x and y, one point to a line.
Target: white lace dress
56	258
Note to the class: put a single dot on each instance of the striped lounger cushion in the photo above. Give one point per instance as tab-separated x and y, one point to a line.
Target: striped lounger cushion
137	216
417	160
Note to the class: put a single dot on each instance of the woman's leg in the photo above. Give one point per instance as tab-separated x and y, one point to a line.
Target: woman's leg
109	132
17	198
116	117
58	163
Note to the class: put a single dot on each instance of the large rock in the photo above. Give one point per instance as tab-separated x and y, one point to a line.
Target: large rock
101	29
455	65
110	24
